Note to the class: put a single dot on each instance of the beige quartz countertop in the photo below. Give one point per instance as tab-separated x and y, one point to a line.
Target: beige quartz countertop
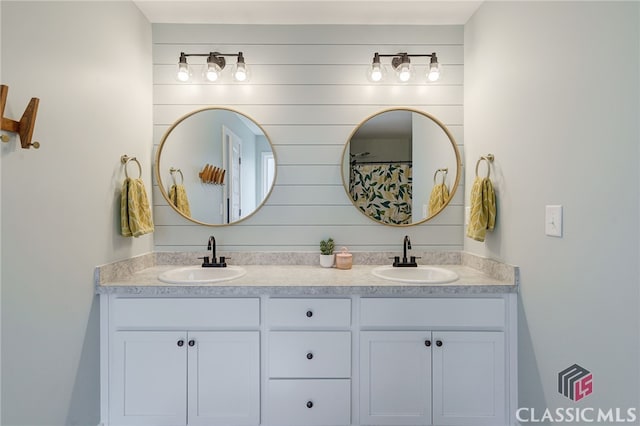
293	280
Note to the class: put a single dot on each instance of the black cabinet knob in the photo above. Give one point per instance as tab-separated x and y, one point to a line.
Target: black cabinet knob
438	343
180	343
192	342
309	355
427	343
309	314
309	404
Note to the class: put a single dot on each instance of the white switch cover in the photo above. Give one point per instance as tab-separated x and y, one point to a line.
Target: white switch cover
553	221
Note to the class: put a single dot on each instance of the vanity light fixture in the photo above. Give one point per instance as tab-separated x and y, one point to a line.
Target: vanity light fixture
214	67
402	65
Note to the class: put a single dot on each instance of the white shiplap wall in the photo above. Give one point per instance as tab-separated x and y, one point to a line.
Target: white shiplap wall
309	91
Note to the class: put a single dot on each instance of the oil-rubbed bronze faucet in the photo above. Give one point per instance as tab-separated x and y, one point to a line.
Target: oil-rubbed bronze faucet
211	245
405	262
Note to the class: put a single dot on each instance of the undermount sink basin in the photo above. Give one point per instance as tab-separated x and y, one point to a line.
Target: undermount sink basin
415	275
200	275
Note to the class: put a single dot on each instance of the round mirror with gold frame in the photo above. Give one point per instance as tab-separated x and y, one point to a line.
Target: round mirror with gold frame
401	167
215	166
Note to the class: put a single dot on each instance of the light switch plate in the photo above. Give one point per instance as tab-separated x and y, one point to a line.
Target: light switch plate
553	221
467	215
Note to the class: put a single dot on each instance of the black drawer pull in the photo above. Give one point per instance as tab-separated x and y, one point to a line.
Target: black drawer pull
192	342
309	355
309	404
180	343
309	314
427	343
438	343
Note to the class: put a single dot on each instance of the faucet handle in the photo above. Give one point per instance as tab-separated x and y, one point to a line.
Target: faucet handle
205	259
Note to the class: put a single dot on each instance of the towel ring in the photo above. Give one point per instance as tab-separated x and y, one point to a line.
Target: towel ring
173	170
125	160
489	159
444	174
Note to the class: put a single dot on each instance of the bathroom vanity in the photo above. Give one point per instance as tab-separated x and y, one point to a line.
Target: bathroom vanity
303	345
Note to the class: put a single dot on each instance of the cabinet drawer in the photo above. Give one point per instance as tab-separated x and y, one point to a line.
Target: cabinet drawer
309	402
185	313
310	354
309	313
434	312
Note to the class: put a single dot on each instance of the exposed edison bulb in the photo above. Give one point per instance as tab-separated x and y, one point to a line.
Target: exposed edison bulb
375	73
404	72
434	72
240	74
183	72
213	72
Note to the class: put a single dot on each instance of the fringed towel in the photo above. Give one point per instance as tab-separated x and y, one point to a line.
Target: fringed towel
178	197
483	209
439	197
135	214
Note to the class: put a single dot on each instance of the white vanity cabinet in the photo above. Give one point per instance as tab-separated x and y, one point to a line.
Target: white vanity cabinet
313	360
182	361
309	362
436	361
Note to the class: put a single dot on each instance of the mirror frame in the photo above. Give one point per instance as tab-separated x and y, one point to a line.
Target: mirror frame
452	140
164	191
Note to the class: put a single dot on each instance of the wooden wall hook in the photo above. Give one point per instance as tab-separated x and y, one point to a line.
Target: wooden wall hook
25	126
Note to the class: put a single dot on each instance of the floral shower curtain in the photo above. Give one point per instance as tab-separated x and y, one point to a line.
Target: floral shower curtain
382	191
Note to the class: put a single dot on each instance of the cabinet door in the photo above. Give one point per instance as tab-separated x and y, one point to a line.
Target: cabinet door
224	378
395	378
468	378
149	378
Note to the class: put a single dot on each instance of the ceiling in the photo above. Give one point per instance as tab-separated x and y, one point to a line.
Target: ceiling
291	12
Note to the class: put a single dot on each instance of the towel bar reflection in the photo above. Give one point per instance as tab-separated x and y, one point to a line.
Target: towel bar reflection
489	159
125	160
443	172
172	171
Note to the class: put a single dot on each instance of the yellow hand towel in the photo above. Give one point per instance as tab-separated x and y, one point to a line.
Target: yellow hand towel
178	197
135	214
483	209
438	198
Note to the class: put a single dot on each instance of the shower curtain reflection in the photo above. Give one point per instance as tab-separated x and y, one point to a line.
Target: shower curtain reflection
382	191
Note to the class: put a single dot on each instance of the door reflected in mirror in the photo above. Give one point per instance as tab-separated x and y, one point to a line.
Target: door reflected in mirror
215	166
401	167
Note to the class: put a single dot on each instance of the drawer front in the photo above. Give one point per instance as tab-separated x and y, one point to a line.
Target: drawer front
434	312
309	354
309	402
185	313
309	313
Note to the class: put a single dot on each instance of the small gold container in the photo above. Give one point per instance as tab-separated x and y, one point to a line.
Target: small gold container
344	259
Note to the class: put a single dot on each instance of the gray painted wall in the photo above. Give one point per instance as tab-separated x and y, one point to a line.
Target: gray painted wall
89	63
551	88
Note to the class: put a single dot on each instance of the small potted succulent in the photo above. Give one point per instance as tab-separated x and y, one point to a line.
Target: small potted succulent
326	253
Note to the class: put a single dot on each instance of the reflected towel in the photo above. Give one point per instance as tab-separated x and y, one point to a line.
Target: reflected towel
483	209
135	214
439	197
178	197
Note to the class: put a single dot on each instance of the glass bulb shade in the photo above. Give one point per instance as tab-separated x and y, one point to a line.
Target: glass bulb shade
183	72
375	73
213	72
434	72
404	72
240	74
